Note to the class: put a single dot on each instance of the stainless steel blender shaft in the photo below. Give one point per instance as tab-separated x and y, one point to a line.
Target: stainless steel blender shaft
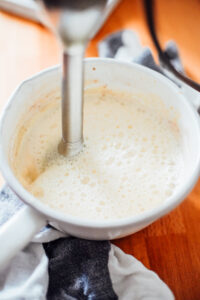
72	104
75	22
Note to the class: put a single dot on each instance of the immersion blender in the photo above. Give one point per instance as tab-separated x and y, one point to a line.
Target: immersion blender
75	22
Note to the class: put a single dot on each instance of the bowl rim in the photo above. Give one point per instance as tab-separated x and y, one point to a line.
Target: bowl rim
51	214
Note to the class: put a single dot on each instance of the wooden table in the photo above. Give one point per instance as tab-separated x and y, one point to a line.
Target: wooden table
171	246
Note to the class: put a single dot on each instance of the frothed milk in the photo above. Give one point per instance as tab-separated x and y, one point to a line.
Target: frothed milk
131	162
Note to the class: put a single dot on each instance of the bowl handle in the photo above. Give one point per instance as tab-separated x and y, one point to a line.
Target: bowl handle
16	233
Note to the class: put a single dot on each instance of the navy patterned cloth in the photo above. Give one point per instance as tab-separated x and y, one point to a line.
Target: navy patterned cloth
78	269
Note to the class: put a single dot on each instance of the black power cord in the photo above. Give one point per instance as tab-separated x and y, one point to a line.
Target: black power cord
149	9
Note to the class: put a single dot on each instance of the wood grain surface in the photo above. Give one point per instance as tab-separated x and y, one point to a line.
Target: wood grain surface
170	246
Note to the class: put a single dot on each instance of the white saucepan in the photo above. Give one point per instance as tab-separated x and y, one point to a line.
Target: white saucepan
18	231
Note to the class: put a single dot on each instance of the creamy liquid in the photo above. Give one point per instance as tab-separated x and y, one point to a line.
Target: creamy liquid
132	159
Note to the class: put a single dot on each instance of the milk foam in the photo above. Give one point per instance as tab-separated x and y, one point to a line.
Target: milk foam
131	162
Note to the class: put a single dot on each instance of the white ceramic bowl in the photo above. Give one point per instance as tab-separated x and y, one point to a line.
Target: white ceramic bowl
124	76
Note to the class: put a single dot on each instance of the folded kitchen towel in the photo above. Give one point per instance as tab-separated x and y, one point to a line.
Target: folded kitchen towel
56	266
69	268
125	45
